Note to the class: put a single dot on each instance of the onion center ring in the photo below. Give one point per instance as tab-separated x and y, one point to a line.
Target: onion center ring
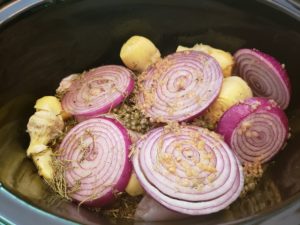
262	140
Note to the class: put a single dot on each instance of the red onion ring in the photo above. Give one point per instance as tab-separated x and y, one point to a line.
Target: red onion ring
188	169
134	136
98	91
264	74
255	129
179	87
95	153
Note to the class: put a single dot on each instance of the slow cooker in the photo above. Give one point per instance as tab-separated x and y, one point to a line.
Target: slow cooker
41	41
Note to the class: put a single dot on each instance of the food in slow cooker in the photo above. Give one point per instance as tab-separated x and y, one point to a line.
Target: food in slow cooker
184	131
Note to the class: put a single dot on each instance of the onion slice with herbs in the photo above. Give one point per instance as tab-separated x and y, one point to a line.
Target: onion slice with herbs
264	74
96	163
255	129
188	169
134	136
98	91
179	87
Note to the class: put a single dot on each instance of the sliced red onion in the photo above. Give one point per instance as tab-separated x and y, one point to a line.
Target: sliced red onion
134	136
180	86
98	91
108	115
264	74
95	154
255	129
150	210
188	169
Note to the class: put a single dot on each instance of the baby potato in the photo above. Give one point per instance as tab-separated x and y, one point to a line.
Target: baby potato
133	187
138	53
234	89
225	59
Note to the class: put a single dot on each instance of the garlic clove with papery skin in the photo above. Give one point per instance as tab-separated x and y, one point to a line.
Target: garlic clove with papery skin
43	126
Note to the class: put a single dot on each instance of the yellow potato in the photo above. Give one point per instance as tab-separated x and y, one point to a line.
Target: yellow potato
133	187
234	89
49	103
225	59
43	162
138	53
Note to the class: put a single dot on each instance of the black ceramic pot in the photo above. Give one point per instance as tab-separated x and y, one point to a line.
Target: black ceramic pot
43	41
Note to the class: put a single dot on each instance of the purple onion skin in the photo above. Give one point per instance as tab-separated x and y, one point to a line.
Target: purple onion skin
281	70
273	64
234	115
120	186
